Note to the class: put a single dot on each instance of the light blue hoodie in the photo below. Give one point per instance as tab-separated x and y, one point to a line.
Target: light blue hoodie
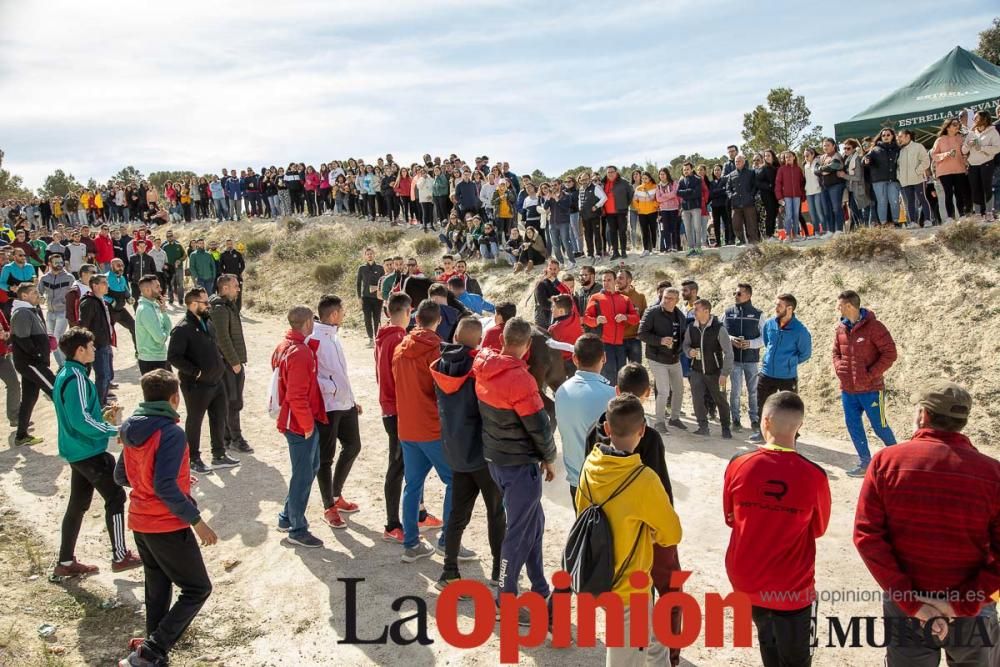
580	402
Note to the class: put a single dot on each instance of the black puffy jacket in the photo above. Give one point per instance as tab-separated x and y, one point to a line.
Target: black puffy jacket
882	161
458	408
516	427
193	351
741	187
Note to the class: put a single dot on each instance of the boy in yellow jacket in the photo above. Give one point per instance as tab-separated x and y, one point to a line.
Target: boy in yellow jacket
639	516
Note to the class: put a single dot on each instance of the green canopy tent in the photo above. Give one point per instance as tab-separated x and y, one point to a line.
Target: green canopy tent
959	81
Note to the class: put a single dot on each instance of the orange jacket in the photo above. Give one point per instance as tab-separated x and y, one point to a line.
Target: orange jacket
416	402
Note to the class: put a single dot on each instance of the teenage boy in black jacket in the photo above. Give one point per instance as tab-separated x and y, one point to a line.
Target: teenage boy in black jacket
462	446
194	352
369	278
96	316
634	379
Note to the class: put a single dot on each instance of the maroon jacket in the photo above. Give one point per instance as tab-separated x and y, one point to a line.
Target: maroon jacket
862	354
928	521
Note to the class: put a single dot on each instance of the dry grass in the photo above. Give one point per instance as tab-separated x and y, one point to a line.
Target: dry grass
761	256
971	239
426	245
865	244
328	274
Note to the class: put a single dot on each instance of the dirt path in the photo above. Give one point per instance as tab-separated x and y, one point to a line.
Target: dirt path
281	606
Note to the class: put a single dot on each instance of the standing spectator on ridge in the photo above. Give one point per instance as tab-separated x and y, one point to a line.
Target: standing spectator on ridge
591	205
202	267
520	451
607	314
369	276
787	343
662	328
301	411
744	324
231	262
83	444
926	528
225	315
982	145
707	344
689	190
741	188
194	352
152	326
342	412
780	533
466	195
913	169
619	195
789	187
630	339
29	341
863	350
881	161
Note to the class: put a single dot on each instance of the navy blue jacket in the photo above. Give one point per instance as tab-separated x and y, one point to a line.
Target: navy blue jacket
689	191
458	408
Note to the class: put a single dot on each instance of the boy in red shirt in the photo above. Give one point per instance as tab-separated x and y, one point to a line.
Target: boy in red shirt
493	337
565	327
162	514
778	503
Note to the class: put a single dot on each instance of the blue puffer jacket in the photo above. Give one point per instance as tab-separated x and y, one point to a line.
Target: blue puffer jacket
785	348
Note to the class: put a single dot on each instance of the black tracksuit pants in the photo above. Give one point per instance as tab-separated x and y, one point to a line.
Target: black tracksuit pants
198	400
168	560
465	488
96	472
393	475
341	425
33	380
372	309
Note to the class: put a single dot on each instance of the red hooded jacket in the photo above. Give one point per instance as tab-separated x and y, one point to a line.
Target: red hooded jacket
567	329
790	182
862	354
301	401
610	304
411	368
386	340
104	249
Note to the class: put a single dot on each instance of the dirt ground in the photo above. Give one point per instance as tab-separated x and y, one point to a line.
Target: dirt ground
275	605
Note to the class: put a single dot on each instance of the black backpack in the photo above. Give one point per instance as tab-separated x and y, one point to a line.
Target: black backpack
589	556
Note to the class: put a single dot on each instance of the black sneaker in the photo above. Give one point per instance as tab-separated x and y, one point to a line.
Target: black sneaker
198	467
702	430
307	540
677	423
241	446
224	461
727	434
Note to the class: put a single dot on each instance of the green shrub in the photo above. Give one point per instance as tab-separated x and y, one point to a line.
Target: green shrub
865	244
971	239
327	274
760	256
257	246
427	245
293	225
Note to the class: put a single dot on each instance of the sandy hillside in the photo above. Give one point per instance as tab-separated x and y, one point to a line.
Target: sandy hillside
274	605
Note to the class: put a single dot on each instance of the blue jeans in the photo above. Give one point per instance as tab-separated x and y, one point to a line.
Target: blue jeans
57	324
633	350
614	360
916	201
817	211
871	403
561	242
574	232
207	285
521	488
744	371
886	201
103	371
221	209
792	216
418	459
488	250
304	454
833	199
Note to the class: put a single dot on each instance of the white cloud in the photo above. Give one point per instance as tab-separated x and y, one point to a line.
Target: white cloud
91	87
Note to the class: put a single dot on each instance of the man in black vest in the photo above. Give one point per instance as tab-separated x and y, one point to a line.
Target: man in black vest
707	344
591	207
745	325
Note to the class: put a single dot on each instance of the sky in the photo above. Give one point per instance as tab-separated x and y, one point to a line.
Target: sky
90	87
